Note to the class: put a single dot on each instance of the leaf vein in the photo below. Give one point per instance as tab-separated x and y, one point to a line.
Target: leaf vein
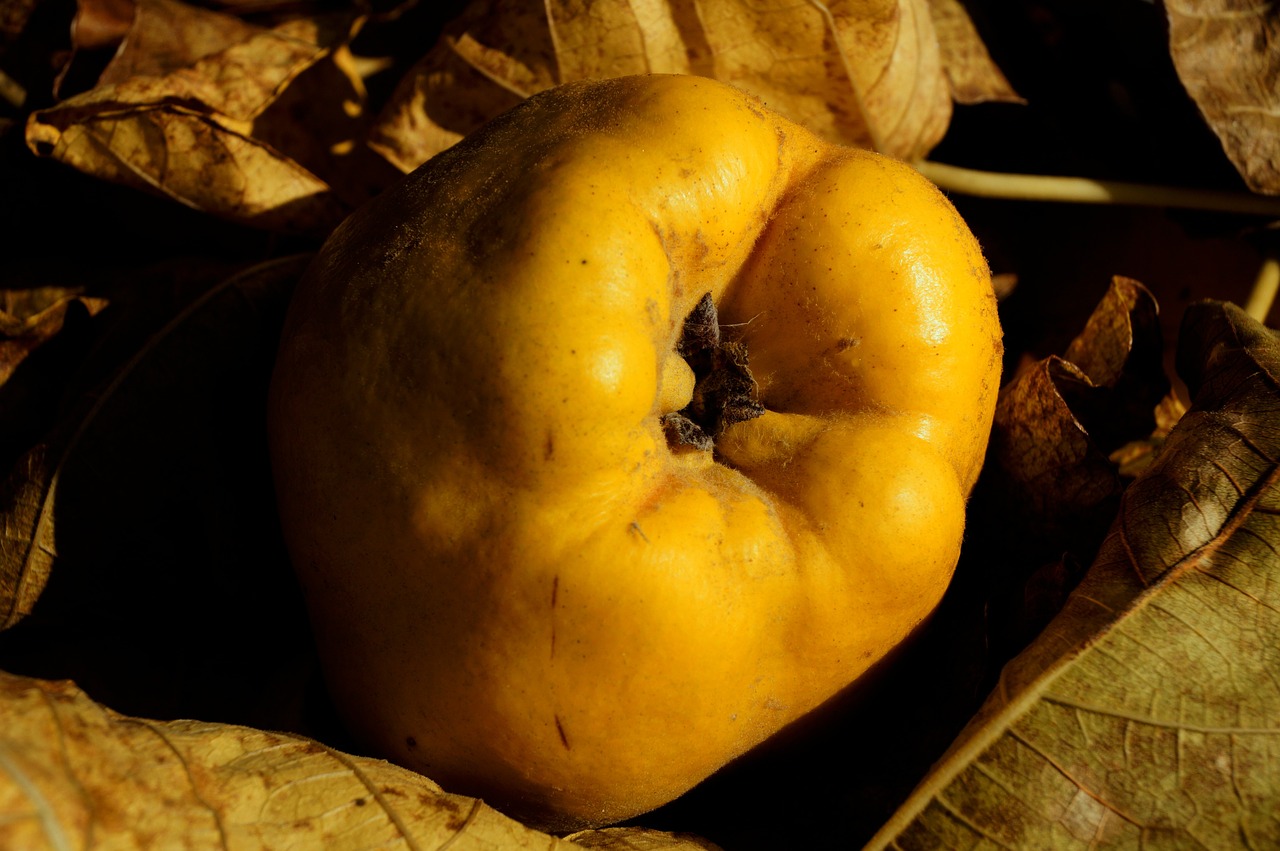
377	796
186	768
1120	714
89	802
43	809
1061	769
955	813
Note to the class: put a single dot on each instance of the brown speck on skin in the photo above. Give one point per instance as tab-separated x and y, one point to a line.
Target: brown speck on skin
360	802
411	741
564	740
549	449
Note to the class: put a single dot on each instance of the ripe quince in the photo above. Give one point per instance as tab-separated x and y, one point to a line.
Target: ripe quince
622	435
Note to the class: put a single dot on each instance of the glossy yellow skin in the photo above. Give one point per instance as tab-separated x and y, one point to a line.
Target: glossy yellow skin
518	588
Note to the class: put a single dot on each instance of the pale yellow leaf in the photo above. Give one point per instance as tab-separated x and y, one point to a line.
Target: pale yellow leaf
860	72
640	839
973	76
74	774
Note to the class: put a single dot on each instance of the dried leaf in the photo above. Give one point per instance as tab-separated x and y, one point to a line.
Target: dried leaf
321	121
974	77
1121	351
1225	54
1058	419
173	113
74	773
29	318
1136	455
640	839
98	28
101	23
861	72
1148	712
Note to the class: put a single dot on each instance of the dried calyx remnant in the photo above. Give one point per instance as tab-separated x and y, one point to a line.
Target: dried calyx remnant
724	392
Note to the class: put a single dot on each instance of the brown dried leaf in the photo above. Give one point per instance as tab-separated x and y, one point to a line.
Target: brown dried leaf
1148	712
974	77
1225	54
29	318
1047	463
1121	351
74	773
1058	419
321	120
101	23
173	113
1050	487
860	72
1136	455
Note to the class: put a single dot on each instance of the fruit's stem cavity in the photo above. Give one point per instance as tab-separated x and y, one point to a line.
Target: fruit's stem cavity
724	392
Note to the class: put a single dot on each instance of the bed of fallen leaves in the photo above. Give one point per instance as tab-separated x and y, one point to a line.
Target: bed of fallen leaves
1104	670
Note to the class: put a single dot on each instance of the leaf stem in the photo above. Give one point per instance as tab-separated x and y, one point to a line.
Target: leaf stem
1263	294
1083	190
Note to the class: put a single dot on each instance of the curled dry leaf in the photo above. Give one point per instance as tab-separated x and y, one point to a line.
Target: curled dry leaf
1059	418
174	114
868	73
1225	54
76	774
1148	711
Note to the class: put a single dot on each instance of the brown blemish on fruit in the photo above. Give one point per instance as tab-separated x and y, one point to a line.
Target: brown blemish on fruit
564	740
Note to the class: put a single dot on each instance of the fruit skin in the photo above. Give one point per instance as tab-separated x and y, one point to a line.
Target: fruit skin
517	587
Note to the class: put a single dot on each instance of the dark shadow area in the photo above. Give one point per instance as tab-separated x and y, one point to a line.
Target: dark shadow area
171	595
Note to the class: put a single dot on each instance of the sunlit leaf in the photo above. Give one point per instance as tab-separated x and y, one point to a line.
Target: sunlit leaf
75	774
865	72
173	113
973	75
